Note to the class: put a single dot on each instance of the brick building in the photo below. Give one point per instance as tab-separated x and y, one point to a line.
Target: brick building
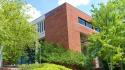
65	25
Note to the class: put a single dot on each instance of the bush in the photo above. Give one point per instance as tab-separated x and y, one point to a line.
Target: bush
45	66
55	53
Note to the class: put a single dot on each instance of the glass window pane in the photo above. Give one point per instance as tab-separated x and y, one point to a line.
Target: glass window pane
40	27
81	21
43	26
97	29
89	25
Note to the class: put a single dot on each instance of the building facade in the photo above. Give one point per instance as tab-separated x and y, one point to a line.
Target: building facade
64	25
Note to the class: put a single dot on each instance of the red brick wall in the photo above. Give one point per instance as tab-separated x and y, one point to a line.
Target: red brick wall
61	26
75	28
56	26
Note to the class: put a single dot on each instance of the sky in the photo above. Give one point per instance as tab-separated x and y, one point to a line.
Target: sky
40	7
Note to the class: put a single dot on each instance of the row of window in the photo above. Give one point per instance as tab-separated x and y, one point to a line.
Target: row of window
87	24
40	26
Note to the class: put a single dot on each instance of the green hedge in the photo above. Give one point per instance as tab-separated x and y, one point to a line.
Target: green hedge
54	53
45	66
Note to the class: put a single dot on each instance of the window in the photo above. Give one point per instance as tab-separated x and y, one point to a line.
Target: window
97	29
89	25
82	21
43	26
40	26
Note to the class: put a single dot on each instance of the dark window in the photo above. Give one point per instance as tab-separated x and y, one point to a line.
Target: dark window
97	29
43	25
40	27
89	25
82	21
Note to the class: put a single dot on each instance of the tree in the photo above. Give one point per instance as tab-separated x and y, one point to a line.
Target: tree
15	31
56	53
109	43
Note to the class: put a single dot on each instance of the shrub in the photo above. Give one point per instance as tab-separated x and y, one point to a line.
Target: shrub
45	66
55	53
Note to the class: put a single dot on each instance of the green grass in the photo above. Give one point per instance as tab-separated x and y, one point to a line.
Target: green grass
45	66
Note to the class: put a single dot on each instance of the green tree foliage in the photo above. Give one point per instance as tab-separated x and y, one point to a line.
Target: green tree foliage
55	53
15	31
109	43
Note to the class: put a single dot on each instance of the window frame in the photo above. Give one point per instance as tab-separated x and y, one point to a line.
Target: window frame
86	23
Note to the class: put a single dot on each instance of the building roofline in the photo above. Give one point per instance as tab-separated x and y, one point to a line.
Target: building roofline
42	17
69	5
51	11
77	9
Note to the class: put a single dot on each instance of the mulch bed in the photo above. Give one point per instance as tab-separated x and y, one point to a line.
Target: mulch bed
7	68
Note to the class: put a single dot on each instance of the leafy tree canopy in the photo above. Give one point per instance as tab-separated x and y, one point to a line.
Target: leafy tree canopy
109	43
15	31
